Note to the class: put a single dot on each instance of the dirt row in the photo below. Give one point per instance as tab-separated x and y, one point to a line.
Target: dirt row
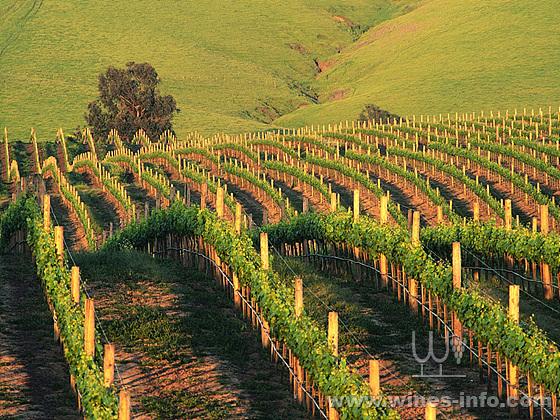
34	378
182	350
373	324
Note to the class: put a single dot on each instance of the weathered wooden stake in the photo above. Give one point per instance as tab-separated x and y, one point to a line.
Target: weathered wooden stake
264	251
534	224
298	296
332	413
220	202
238	218
547	281
413	295
108	364
513	314
374	387
124	405
431	411
356	205
333	332
457	267
47	212
416	228
476	211
236	289
383	216
384	270
59	242
507	214
75	284
333	202
89	328
305	207
544	219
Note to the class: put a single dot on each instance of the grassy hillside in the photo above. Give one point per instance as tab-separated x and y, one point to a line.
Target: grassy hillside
232	65
444	56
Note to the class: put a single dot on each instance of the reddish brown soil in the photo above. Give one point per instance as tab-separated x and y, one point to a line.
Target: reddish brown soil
74	233
248	388
34	378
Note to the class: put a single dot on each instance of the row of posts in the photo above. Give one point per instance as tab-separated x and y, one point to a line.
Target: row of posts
89	320
333	324
513	305
124	404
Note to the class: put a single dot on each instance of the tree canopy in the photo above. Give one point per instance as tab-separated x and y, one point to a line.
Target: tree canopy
372	112
129	99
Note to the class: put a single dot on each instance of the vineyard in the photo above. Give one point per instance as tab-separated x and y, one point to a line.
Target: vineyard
288	273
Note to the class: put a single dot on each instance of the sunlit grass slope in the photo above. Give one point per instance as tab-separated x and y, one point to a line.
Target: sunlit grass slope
446	55
232	65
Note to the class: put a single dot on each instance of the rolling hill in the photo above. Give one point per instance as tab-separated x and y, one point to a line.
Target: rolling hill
244	65
232	66
445	56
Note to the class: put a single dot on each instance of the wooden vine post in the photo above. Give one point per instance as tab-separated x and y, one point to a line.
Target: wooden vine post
412	283
383	264
456	324
108	364
220	202
416	228
75	284
236	291
544	219
545	268
513	315
333	202
124	405
507	214
298	296
431	411
264	251
89	328
383	214
332	414
47	212
59	242
238	218
476	211
384	271
333	332
356	205
374	386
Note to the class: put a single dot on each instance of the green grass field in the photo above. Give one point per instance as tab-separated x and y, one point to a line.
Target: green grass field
232	66
237	66
447	56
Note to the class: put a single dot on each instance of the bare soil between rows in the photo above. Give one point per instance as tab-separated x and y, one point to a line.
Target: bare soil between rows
34	377
181	348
